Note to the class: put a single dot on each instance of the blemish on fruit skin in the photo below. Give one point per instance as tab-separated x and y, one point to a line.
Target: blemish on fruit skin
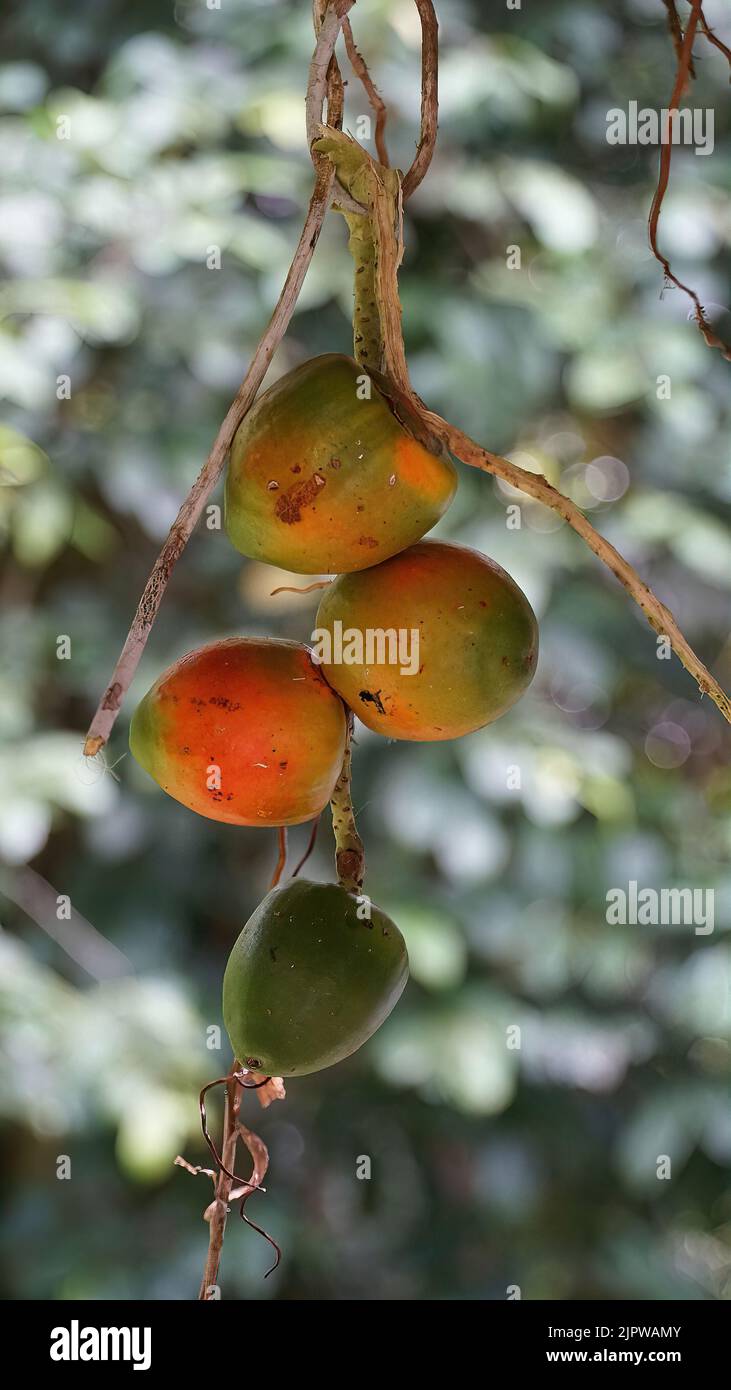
372	697
289	506
272	485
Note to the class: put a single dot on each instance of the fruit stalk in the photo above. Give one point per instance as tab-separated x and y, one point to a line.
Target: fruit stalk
376	244
349	849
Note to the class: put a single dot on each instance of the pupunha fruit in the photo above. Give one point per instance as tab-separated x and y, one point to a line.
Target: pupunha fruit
323	479
432	644
245	731
310	979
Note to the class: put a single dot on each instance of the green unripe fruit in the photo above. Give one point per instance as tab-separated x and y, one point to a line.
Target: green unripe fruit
309	980
324	479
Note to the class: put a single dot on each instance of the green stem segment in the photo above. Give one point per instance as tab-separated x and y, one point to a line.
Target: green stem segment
349	850
375	188
367	337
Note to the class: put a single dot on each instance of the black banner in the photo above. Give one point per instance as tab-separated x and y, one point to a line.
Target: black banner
154	1339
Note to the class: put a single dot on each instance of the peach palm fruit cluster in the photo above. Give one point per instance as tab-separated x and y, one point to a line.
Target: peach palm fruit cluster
323	477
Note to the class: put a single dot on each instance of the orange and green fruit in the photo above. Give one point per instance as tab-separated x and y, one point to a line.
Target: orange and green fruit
432	644
323	479
245	731
310	978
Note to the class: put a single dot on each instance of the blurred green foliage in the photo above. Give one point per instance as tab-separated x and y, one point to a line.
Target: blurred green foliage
491	1166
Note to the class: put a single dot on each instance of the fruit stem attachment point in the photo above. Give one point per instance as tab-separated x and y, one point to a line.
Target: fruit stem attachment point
349	849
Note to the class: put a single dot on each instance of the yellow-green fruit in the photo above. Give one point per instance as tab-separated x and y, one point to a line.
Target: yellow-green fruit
324	479
432	644
310	979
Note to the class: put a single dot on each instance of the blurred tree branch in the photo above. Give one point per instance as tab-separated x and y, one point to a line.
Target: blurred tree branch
683	44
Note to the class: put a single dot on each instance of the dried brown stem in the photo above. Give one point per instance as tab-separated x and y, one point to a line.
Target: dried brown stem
325	81
538	487
429	100
281	857
360	67
217	1213
676	33
683	72
713	38
309	849
429	97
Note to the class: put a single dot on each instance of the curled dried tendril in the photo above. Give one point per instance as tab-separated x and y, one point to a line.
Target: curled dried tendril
257	1150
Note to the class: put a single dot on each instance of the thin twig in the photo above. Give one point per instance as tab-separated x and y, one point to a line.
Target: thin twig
359	66
429	97
684	67
218	1210
281	857
324	78
713	38
309	849
536	486
307	589
676	33
81	941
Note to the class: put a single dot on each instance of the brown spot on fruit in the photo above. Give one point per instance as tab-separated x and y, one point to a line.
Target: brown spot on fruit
372	697
240	700
289	505
311	422
466	673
